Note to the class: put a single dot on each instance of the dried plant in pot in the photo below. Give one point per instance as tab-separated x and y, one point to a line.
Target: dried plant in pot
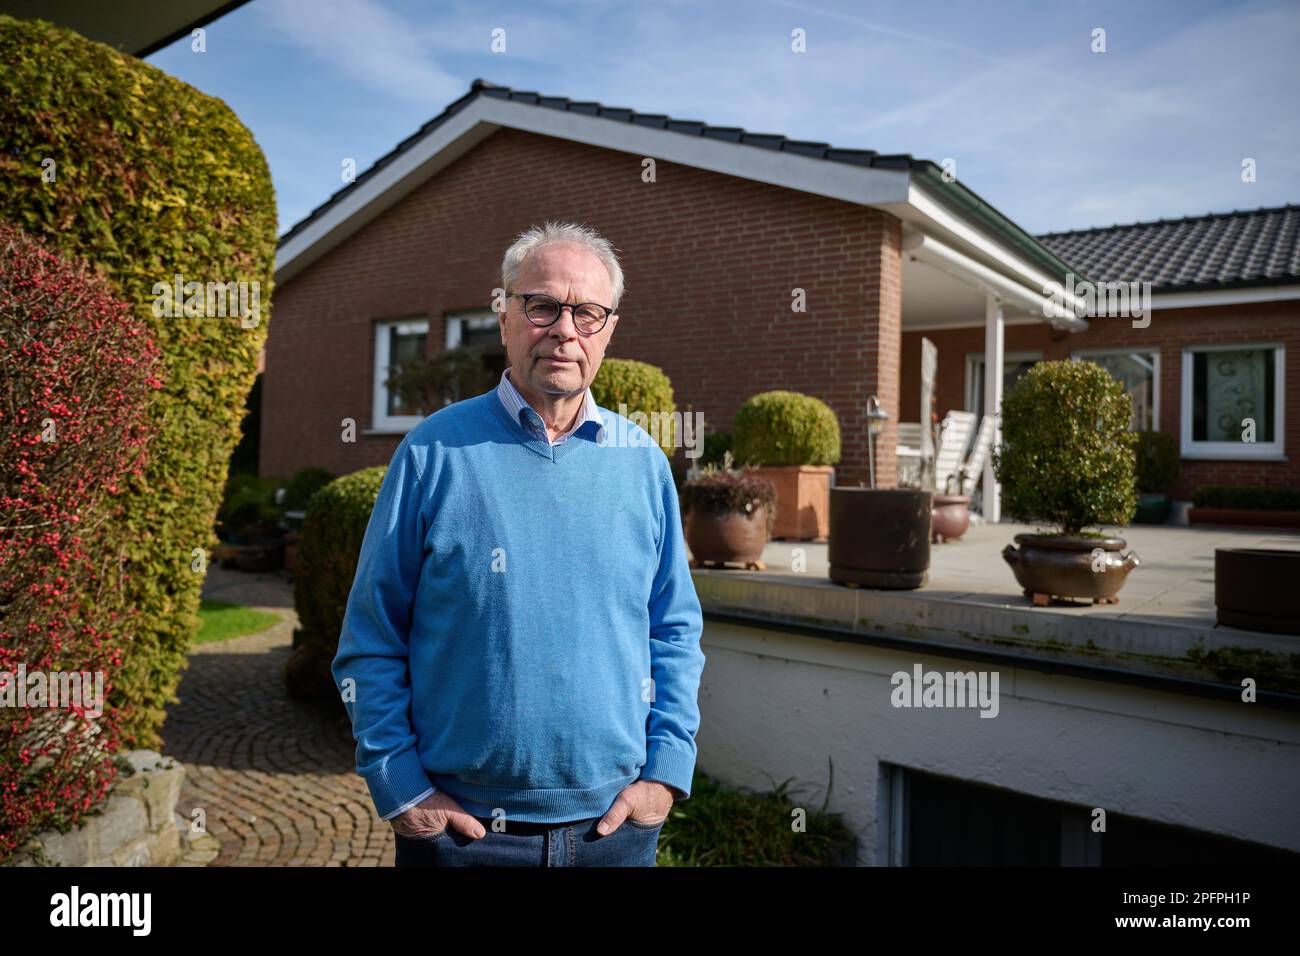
728	515
1067	461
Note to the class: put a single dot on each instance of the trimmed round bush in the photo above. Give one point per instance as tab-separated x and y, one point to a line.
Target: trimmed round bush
1158	462
785	428
332	535
303	485
1067	456
641	389
113	161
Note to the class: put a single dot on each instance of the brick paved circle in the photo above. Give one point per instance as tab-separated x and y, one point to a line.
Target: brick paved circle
275	776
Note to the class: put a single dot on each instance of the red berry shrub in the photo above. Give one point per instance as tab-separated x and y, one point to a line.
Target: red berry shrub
76	373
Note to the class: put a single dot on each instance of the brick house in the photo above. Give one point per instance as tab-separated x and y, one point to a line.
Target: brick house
719	237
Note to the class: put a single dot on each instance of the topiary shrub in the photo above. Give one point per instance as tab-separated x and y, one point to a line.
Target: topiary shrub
112	160
303	485
635	389
716	444
1067	455
785	428
78	373
1158	462
332	535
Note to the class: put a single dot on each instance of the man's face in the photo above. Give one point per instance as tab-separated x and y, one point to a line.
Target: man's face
557	360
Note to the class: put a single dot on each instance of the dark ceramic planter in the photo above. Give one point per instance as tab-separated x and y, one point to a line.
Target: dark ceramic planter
880	538
261	556
1058	565
726	537
950	519
1255	589
1153	509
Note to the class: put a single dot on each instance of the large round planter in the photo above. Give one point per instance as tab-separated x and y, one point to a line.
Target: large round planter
1058	565
950	518
1153	509
726	537
1255	589
879	538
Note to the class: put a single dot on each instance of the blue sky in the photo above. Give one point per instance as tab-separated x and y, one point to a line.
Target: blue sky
1053	134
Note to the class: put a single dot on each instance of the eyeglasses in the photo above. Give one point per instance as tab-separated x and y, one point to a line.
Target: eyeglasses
543	310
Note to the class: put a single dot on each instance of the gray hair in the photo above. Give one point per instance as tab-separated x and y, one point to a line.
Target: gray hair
538	236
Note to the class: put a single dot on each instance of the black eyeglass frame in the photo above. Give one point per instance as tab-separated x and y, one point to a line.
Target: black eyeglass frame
573	309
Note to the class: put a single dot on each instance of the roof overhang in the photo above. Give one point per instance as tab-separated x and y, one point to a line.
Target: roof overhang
137	27
952	215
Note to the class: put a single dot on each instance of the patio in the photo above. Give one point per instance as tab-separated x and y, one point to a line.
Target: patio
973	604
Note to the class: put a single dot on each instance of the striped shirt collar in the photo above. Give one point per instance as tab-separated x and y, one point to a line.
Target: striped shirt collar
517	407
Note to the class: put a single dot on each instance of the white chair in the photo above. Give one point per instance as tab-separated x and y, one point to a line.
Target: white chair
979	456
954	434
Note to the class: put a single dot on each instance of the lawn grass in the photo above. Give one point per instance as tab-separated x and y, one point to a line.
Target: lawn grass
722	827
222	621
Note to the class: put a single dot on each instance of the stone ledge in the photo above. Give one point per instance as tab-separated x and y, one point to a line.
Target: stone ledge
135	826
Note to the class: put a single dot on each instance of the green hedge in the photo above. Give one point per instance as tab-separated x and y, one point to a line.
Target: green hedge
1158	462
642	388
1067	454
1249	497
152	178
785	428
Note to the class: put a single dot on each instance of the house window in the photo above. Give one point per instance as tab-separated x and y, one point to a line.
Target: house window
1139	372
1014	365
1233	401
943	821
396	341
482	331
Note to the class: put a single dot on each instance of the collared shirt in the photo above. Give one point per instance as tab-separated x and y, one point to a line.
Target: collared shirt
517	407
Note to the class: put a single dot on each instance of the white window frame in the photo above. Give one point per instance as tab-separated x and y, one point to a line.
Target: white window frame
1234	450
456	324
973	357
1155	380
381	421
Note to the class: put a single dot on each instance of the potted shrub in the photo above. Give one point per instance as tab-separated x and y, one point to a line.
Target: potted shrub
634	389
1245	507
1158	462
951	515
297	493
1067	459
728	515
792	440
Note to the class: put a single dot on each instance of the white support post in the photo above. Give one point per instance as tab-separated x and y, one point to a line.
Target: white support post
993	372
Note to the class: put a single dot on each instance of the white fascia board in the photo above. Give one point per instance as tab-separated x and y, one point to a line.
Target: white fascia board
1213	297
924	212
458	134
455	137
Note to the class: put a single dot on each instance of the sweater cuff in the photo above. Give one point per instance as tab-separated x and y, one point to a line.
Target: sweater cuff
397	781
669	765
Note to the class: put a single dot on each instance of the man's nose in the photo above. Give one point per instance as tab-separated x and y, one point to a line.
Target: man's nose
564	326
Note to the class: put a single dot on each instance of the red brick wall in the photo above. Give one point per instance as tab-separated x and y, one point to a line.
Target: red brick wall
1169	331
709	262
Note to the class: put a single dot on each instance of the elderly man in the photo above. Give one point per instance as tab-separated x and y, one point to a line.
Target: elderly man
520	653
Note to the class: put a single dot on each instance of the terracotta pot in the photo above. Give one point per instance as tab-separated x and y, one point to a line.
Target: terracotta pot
951	517
1058	565
880	538
802	500
726	536
264	556
1243	518
1255	589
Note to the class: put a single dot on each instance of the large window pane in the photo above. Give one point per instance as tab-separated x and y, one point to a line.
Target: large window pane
1137	372
1228	387
402	347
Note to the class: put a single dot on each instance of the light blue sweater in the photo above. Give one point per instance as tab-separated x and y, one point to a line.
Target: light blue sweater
522	632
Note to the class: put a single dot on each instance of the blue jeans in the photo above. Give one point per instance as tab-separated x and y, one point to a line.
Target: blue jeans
534	844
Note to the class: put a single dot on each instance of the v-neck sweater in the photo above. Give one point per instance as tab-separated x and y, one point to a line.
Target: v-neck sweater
522	632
